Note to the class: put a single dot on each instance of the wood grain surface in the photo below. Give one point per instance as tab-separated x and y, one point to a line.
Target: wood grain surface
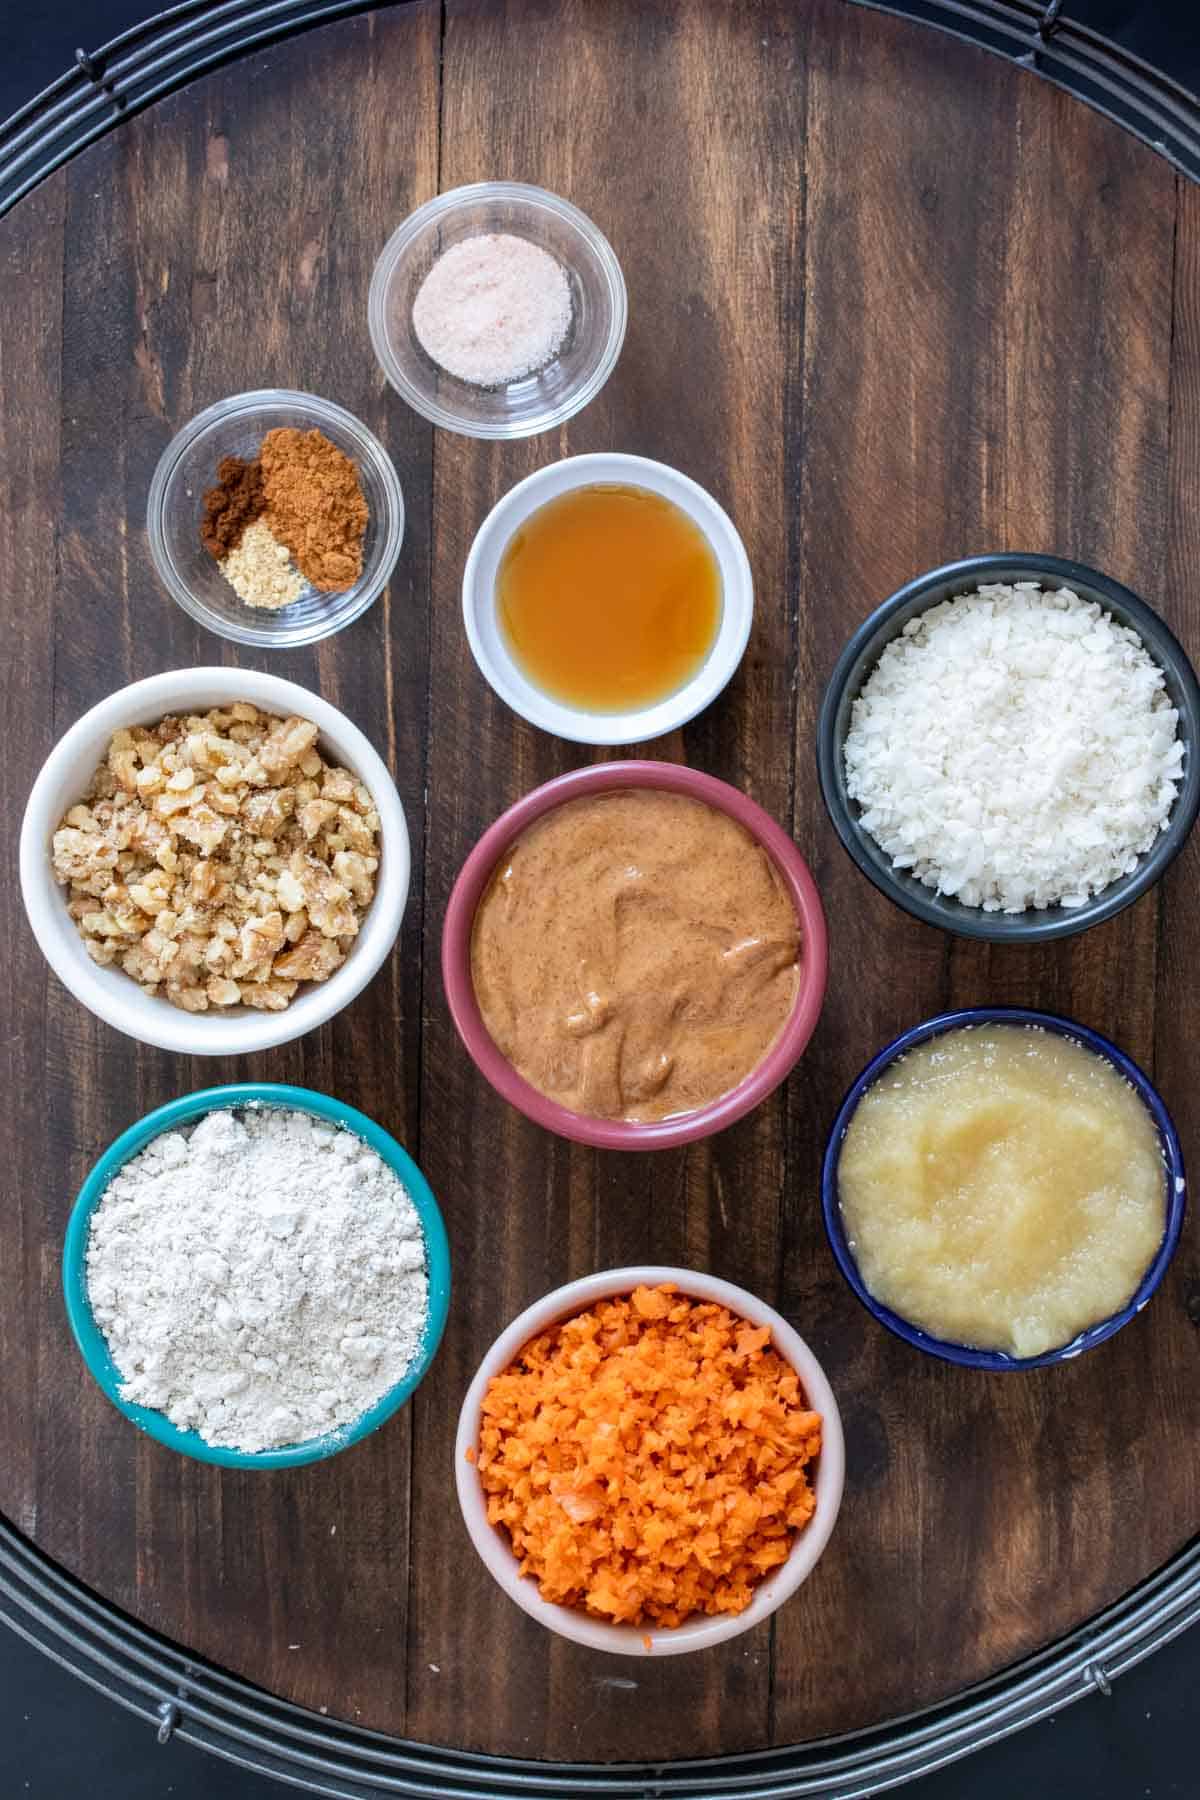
893	301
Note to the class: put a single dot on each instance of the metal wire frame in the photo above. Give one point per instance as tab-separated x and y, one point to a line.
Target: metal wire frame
1091	67
181	1696
178	1695
133	70
130	72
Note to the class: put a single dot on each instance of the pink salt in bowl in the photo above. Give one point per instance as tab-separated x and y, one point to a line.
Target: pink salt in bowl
625	1134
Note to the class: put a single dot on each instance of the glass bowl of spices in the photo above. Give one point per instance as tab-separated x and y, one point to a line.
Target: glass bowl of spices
497	310
275	518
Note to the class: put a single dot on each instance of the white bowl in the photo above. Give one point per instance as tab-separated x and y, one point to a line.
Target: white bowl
114	996
695	1634
496	661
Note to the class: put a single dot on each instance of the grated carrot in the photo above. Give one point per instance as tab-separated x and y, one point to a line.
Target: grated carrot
649	1459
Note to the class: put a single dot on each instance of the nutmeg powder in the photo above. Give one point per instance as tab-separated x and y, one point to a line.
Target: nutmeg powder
234	503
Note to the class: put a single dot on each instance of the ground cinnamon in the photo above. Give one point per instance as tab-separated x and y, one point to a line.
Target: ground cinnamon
234	503
314	505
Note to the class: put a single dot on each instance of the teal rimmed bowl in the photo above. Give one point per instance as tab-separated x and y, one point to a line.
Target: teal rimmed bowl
191	1107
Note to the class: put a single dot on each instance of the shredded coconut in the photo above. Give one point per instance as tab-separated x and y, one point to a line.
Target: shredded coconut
261	1280
493	309
1015	748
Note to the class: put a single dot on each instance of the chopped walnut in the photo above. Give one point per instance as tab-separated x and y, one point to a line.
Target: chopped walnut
287	742
270	996
315	816
338	785
81	855
357	873
291	894
313	959
218	860
295	926
328	903
260	939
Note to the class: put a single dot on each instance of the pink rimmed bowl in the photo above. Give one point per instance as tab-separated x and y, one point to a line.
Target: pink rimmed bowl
623	1134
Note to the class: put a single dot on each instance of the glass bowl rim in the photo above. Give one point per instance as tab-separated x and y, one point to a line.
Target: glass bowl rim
368	447
441	206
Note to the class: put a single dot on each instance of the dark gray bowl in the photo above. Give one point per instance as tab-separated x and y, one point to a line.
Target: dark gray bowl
863	652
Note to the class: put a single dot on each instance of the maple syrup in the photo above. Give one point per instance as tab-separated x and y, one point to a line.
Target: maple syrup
609	598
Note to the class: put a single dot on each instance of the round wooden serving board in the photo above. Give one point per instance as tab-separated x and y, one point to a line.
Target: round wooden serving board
893	301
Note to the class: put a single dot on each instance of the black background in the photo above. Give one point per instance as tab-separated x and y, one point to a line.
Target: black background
59	1739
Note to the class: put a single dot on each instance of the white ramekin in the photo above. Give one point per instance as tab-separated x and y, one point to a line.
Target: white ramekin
696	1634
114	996
496	661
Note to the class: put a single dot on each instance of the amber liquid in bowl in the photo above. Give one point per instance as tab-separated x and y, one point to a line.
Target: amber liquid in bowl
609	598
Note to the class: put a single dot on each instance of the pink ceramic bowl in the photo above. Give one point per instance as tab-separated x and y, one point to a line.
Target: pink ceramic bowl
620	1134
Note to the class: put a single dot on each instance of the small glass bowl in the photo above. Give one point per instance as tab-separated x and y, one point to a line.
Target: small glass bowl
536	402
188	468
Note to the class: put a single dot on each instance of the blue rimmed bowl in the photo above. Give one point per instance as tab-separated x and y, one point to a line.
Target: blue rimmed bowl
187	1111
1173	1179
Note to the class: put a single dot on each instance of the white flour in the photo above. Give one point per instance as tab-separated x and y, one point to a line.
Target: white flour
261	1280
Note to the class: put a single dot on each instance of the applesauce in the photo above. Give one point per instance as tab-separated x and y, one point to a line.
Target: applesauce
636	954
1003	1187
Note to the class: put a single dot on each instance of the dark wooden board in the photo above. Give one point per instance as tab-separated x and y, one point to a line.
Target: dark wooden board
893	301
